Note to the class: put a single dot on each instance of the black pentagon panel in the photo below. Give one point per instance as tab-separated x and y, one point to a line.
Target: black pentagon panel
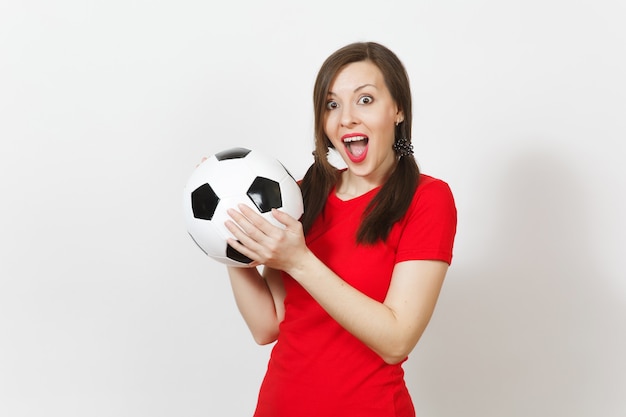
265	194
204	202
232	153
235	255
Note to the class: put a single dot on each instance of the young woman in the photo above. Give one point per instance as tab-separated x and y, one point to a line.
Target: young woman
348	289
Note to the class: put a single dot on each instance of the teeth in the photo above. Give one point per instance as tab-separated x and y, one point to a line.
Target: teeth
354	139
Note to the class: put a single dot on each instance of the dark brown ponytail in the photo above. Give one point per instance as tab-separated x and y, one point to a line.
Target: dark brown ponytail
394	197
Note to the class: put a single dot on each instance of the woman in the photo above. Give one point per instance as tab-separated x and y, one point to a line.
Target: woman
348	290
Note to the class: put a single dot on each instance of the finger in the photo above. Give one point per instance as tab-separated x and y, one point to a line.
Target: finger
258	221
238	217
284	218
239	231
245	231
244	250
241	241
248	226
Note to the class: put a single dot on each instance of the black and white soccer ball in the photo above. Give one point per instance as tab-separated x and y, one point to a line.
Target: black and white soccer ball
223	181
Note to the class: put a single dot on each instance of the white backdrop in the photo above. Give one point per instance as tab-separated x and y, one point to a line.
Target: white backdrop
107	308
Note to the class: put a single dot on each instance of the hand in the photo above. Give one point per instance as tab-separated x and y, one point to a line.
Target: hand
263	242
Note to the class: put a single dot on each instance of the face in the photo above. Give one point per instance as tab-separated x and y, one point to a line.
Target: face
360	121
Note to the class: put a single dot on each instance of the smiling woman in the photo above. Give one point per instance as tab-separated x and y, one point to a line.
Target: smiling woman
348	291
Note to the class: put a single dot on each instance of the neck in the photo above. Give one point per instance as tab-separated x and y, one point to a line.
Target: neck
350	186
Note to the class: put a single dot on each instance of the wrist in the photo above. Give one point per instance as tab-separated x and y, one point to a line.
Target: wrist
302	265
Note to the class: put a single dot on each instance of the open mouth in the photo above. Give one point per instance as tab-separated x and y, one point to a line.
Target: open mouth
356	147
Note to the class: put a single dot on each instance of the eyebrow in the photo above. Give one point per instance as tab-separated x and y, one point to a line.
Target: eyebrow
356	89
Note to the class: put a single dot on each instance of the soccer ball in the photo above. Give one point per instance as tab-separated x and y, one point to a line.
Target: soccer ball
223	181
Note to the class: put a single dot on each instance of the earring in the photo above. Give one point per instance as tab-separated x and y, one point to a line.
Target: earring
403	147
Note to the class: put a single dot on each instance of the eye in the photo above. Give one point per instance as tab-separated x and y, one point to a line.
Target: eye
331	105
366	100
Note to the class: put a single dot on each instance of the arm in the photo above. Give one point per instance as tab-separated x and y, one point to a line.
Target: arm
391	328
260	300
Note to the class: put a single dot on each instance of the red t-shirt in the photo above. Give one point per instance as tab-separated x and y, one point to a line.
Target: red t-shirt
318	369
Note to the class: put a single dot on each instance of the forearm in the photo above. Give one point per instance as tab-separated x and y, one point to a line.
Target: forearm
255	303
388	328
391	328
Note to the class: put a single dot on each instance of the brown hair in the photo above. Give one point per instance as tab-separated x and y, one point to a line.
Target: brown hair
394	197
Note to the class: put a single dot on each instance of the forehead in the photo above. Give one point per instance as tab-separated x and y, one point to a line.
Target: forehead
357	74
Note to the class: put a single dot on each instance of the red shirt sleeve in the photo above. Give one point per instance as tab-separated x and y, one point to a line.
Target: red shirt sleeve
429	226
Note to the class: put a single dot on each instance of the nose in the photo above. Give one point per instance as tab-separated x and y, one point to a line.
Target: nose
348	116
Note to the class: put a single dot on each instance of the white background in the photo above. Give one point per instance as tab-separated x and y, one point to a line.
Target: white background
107	308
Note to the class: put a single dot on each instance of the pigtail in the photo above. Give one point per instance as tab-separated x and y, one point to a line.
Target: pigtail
391	203
316	185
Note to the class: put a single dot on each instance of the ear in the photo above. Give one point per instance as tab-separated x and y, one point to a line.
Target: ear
399	117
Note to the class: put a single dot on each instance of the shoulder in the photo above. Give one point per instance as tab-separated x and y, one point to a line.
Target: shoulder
432	189
433	202
429	227
426	180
